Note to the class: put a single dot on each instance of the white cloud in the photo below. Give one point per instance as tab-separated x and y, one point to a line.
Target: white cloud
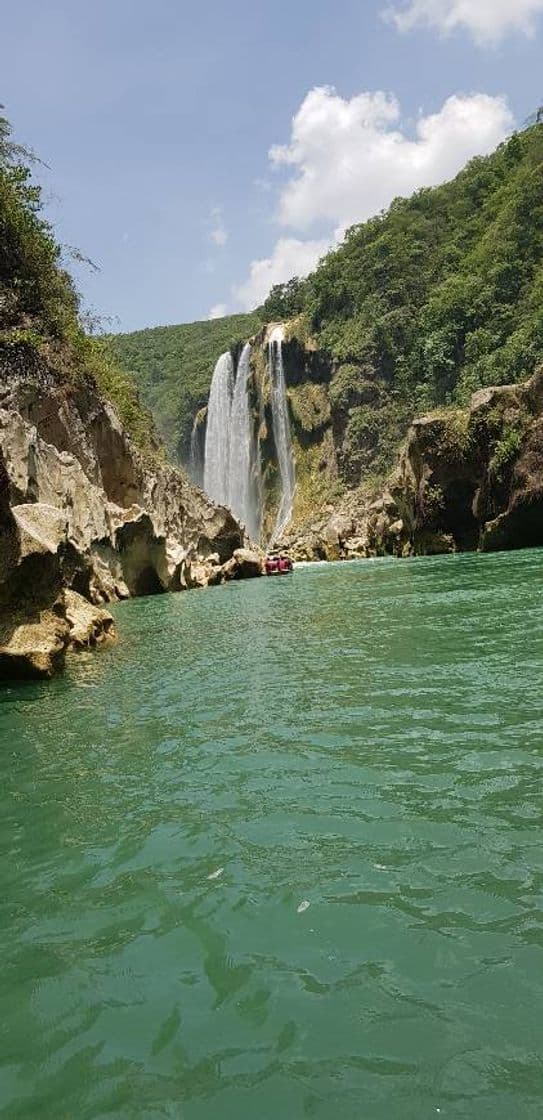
217	233
217	312
488	21
289	258
349	161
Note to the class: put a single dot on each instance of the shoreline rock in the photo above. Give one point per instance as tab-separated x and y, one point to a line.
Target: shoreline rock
33	645
89	625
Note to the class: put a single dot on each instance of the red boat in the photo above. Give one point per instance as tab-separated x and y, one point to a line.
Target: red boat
278	565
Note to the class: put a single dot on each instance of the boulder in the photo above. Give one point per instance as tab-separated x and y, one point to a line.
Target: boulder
34	639
198	574
33	645
244	564
33	629
249	564
89	625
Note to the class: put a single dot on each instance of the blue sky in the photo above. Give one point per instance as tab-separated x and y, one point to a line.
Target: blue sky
157	121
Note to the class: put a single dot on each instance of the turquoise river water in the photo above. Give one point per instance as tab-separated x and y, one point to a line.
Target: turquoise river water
366	739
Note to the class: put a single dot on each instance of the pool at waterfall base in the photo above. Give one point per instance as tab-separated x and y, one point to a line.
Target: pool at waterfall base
278	853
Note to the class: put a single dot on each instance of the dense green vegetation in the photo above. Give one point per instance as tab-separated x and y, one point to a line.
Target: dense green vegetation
39	306
424	304
173	366
442	294
37	295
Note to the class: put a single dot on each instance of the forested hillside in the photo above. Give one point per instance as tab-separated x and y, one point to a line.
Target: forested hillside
418	307
443	293
435	298
172	368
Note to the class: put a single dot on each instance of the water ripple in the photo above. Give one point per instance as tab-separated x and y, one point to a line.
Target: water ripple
366	739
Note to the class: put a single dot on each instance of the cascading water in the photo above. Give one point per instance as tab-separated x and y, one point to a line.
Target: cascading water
232	464
195	459
281	430
243	481
217	445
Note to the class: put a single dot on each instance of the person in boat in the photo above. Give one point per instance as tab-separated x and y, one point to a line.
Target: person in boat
278	564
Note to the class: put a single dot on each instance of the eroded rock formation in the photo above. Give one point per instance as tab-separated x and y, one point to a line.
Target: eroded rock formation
85	519
473	479
466	479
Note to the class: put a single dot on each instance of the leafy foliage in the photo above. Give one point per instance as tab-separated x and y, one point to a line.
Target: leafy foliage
34	289
39	306
443	293
285	301
372	435
510	431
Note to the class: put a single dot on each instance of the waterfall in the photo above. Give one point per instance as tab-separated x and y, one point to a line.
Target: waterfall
243	481
217	445
195	458
232	464
281	429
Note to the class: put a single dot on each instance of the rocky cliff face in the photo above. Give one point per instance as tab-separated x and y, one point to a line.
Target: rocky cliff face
83	514
466	479
474	478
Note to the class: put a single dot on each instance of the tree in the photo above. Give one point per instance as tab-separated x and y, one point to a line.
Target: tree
284	300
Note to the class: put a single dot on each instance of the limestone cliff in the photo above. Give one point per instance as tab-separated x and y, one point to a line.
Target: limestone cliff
474	478
465	479
85	518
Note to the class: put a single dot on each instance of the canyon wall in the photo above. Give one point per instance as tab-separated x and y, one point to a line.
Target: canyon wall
87	519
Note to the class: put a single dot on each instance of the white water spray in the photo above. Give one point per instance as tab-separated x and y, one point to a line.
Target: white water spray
232	467
281	429
195	459
243	481
217	445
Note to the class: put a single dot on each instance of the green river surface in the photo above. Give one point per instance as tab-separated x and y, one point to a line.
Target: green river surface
365	738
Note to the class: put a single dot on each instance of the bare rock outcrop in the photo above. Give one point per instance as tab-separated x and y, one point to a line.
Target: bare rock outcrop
40	620
466	479
33	644
471	478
